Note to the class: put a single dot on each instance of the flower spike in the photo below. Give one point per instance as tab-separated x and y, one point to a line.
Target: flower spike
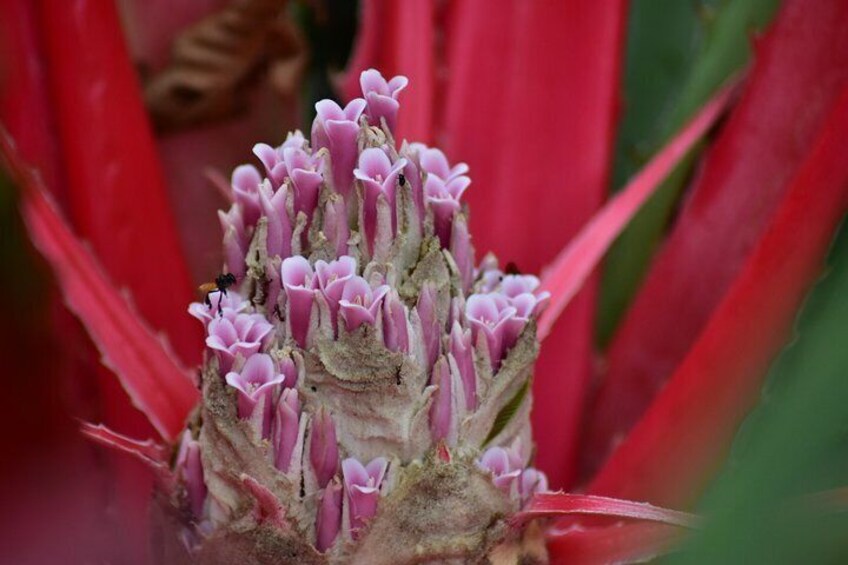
359	332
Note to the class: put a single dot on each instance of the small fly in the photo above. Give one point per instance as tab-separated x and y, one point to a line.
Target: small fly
221	284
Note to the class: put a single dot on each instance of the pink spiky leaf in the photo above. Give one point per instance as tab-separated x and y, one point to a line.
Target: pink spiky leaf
153	378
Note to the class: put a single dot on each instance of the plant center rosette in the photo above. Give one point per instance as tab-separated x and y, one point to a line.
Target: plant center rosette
365	392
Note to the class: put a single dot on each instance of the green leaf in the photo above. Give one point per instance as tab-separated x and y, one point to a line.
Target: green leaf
794	444
24	284
329	35
507	412
679	53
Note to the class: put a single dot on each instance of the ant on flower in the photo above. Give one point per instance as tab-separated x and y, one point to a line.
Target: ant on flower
221	284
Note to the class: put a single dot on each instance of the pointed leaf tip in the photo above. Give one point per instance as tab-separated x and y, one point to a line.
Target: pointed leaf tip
559	504
150	452
566	275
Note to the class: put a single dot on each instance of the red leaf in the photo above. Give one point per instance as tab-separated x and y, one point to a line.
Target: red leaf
799	69
672	451
627	543
24	99
112	173
559	504
564	277
157	385
399	38
530	104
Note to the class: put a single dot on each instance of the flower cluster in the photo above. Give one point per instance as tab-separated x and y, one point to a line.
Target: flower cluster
509	473
362	357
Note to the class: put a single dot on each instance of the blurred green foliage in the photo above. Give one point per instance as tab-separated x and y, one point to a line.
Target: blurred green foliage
330	27
678	53
794	444
23	283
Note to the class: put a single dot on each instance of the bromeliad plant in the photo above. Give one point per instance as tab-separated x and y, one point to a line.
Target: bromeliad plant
365	390
769	195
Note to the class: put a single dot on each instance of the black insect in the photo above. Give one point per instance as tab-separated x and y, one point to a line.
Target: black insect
401	179
221	284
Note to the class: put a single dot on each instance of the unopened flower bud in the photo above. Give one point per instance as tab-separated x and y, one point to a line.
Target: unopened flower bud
286	428
329	521
323	447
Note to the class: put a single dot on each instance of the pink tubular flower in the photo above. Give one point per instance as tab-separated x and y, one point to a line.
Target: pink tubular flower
256	384
500	463
462	251
443	197
532	481
323	447
190	469
235	239
245	183
431	333
462	352
513	285
236	334
273	158
443	411
274	208
434	162
299	284
286	429
491	315
289	371
379	178
381	97
362	490
336	129
412	172
332	278
521	292
329	519
396	329
302	169
359	303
